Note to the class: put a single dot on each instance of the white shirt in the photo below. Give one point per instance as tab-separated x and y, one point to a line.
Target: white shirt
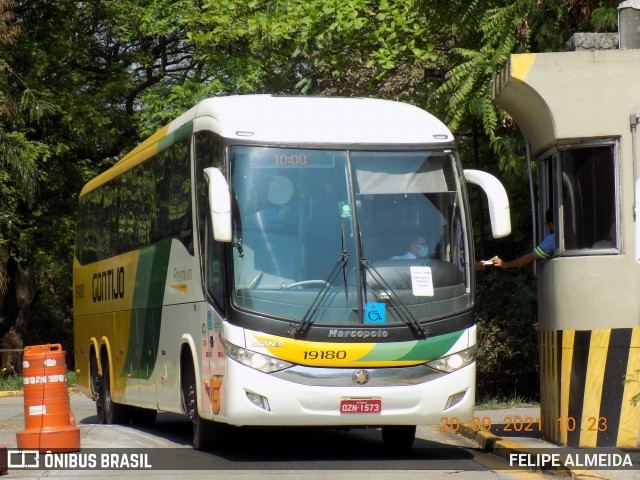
407	255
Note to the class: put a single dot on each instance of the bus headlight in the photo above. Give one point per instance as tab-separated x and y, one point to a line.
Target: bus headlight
455	361
255	360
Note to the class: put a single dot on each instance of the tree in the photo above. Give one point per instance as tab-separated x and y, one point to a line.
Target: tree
62	97
19	159
359	47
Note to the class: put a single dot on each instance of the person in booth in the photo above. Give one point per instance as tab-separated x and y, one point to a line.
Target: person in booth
545	250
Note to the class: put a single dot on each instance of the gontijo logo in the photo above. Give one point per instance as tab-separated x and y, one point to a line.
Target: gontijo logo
108	285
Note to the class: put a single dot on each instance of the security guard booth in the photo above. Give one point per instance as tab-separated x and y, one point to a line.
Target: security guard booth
579	112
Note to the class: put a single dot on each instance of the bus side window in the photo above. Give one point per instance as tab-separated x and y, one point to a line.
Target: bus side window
215	280
208	153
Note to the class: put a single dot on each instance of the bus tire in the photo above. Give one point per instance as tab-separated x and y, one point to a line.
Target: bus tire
203	431
398	437
207	434
95	385
109	412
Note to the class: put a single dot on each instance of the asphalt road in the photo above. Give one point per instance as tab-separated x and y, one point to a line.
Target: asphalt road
256	452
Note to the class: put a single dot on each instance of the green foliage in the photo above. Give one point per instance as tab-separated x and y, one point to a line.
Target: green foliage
298	45
605	19
486	35
509	151
468	82
10	383
508	342
491	402
19	159
60	109
13	382
633	378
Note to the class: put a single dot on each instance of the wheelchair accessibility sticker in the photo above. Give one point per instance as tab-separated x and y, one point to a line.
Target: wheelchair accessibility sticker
375	313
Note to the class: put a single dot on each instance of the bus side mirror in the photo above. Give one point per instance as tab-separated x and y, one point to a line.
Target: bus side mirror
498	200
219	204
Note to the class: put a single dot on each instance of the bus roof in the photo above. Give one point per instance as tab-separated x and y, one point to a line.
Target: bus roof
269	118
297	120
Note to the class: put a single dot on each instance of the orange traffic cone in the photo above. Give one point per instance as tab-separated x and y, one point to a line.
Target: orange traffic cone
48	420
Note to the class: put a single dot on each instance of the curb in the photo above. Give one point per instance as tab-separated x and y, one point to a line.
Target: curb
19	393
503	448
11	393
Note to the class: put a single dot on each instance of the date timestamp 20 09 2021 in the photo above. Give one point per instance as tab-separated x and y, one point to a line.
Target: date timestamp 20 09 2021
526	424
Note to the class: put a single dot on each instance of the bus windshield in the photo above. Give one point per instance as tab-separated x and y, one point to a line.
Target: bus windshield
348	237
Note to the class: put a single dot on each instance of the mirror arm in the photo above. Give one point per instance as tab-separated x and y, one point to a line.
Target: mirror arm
498	200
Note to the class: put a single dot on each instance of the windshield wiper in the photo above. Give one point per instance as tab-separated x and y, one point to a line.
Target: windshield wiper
307	320
400	309
319	299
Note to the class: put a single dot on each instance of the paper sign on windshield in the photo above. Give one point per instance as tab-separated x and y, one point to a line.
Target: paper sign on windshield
422	281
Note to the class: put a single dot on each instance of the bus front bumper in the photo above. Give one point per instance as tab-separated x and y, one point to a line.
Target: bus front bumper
250	397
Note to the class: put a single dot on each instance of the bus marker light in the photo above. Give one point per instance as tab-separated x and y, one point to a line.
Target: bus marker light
258	400
455	399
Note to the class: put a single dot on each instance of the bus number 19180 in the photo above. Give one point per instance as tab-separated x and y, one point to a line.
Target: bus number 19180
325	355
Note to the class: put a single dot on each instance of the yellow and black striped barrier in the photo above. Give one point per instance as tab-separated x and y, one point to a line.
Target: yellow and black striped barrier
584	400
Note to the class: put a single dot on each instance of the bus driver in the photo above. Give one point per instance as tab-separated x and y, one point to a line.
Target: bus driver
417	249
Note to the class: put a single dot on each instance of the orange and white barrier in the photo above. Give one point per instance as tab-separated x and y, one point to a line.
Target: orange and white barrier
49	422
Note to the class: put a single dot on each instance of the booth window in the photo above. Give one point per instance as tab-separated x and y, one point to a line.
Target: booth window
587	190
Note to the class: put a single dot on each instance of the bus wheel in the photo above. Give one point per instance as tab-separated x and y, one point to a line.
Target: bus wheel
398	437
110	412
204	435
95	380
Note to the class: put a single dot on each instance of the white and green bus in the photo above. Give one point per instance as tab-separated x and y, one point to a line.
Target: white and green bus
250	264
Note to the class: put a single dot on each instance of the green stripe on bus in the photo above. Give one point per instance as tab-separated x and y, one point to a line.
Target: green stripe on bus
180	133
148	297
421	350
151	275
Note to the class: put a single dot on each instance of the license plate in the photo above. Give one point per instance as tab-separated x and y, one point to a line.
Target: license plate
369	405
